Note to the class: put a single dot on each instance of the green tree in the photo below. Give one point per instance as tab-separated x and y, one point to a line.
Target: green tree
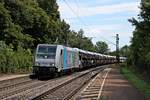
10	32
14	61
101	47
30	17
140	47
72	39
58	30
78	40
50	7
80	36
64	31
125	51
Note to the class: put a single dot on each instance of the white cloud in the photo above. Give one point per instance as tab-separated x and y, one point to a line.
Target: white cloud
104	29
101	31
90	11
107	33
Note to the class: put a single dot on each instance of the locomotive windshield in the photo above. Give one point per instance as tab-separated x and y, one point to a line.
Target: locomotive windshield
46	52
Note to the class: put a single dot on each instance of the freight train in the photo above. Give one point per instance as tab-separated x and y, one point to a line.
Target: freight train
51	59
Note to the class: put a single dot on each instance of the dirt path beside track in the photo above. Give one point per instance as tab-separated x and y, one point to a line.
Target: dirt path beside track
117	87
7	77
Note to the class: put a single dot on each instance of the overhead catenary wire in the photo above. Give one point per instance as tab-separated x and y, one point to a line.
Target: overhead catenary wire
109	41
74	12
82	22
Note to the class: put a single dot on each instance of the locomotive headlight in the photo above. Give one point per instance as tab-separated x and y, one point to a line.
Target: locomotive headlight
53	64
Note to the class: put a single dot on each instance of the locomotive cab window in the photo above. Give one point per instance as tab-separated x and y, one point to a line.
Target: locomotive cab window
46	52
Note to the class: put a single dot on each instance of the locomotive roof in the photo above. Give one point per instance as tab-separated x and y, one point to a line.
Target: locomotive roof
82	51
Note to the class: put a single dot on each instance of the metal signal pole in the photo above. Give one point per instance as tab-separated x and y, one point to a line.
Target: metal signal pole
117	48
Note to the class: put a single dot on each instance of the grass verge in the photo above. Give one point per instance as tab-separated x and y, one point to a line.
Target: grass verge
141	85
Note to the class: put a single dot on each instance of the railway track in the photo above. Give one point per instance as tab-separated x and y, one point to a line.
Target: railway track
11	84
58	88
5	83
17	89
66	90
28	89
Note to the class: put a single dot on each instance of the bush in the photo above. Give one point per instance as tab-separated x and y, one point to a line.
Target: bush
14	61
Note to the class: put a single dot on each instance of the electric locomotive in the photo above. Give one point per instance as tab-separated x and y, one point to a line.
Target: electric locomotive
51	59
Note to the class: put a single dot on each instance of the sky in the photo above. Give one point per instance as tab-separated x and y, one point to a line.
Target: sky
101	20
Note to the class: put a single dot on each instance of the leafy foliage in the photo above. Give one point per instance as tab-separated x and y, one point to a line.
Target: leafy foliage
12	61
50	7
10	32
125	51
140	47
101	47
78	40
